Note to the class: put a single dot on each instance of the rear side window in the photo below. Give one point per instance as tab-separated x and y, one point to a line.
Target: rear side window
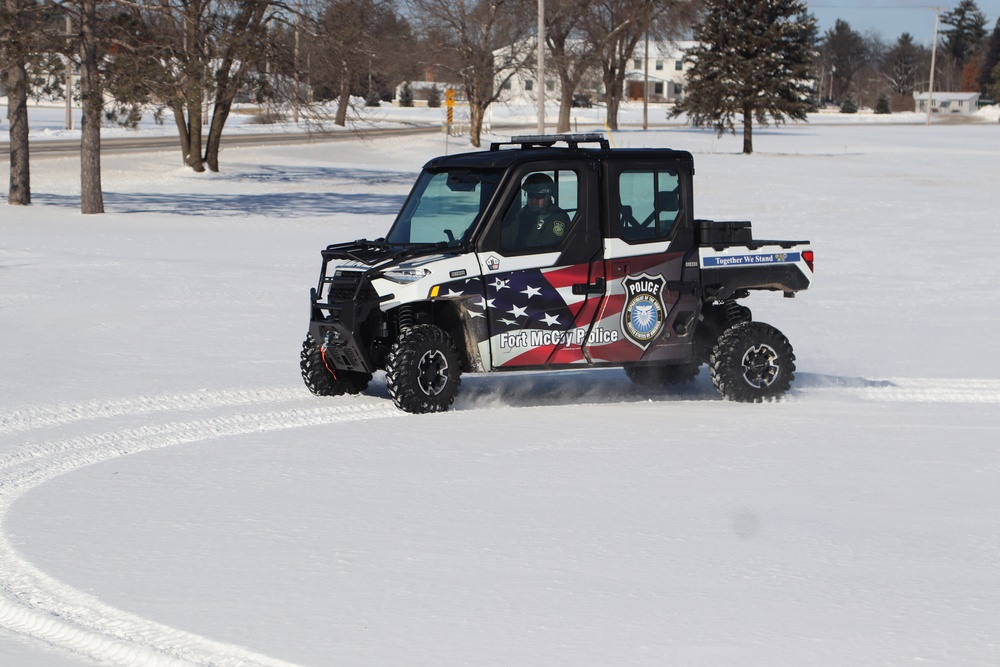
649	204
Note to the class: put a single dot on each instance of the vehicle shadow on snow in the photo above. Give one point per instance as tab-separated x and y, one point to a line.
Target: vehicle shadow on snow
611	385
278	205
602	386
546	389
573	387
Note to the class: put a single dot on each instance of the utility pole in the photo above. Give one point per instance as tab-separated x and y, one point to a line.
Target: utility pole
645	85
69	75
930	87
295	64
541	67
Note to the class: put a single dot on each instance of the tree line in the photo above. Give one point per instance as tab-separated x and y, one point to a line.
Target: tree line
762	61
193	60
863	67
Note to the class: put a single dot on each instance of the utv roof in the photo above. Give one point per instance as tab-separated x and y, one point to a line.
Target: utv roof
538	147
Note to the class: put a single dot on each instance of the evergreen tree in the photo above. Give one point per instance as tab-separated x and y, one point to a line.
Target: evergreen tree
846	52
849	105
406	95
753	61
903	64
990	61
883	107
994	90
434	97
968	28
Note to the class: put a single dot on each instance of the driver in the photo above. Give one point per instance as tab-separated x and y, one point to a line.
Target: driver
540	223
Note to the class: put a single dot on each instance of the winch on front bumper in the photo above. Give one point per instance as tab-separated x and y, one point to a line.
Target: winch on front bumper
345	314
341	310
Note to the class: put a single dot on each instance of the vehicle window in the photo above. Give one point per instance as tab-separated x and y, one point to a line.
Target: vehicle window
546	206
443	206
649	204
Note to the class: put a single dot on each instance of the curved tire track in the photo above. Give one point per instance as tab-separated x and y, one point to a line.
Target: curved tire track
36	605
28	419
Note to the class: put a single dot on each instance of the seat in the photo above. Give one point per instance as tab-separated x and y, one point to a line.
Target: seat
668	204
657	224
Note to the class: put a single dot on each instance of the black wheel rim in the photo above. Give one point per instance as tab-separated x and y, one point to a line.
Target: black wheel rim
760	366
432	372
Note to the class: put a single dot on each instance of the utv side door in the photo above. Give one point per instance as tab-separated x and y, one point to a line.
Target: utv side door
648	310
541	294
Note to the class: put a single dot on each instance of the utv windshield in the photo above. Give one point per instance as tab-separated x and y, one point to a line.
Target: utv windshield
444	206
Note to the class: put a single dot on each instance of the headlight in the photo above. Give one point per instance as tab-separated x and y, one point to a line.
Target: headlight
405	275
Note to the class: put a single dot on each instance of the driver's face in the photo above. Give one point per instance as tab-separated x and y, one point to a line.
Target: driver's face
538	202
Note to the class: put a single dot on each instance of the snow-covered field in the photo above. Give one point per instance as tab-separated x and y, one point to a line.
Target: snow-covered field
170	493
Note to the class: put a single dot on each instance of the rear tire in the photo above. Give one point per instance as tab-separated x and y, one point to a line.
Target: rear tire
323	381
752	362
422	371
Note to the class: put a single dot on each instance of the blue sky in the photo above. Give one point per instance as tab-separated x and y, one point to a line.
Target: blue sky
892	18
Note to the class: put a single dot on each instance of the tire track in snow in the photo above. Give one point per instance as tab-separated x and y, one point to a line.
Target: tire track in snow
36	605
904	390
928	390
28	419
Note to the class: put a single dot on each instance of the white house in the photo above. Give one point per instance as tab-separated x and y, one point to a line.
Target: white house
665	71
944	102
667	76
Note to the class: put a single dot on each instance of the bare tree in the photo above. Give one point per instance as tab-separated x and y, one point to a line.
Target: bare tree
359	46
92	101
484	38
194	55
241	46
869	81
572	56
18	25
615	27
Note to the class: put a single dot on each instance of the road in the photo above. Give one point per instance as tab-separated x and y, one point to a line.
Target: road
140	143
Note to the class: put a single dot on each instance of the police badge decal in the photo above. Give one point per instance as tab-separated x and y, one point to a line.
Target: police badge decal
642	317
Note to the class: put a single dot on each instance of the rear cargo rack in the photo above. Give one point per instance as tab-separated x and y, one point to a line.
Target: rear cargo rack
548	140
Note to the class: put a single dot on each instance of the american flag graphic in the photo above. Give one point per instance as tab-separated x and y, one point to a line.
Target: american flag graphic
533	318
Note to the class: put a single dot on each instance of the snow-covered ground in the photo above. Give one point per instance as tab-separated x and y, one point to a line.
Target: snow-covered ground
170	493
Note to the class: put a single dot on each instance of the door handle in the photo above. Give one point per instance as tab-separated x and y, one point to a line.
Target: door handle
597	287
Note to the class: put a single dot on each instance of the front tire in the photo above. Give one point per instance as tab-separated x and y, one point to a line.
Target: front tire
752	362
422	371
321	380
